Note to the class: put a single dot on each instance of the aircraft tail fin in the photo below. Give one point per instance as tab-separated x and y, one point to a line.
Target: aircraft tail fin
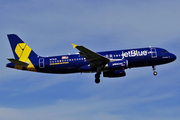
23	54
20	49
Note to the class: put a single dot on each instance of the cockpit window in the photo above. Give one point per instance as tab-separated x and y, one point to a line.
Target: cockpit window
164	51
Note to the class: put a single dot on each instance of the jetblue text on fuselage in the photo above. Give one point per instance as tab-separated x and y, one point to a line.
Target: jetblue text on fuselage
134	53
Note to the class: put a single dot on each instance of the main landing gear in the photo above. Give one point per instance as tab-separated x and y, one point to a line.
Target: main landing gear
97	77
154	69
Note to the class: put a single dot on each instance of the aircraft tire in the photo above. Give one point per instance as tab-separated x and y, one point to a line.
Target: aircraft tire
155	73
97	80
97	76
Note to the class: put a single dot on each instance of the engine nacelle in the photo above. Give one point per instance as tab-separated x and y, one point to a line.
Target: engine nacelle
117	65
116	73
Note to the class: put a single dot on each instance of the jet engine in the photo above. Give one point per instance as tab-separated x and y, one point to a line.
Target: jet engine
116	73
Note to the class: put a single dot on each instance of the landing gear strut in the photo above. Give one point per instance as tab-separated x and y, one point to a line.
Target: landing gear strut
154	69
97	77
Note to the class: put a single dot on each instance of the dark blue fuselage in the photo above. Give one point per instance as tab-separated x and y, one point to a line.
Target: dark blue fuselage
74	63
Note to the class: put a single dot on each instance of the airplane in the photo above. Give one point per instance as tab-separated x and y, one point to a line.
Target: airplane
111	63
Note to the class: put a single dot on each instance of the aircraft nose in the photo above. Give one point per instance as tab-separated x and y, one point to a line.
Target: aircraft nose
173	57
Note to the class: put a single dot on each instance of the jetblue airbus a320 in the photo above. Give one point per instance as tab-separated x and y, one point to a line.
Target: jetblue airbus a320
110	63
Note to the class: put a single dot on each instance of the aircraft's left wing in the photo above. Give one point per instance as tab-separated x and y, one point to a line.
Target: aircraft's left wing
94	58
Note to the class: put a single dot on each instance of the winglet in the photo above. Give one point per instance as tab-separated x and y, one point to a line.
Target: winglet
74	46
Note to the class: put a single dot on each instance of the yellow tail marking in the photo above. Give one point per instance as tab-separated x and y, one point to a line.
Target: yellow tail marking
22	45
18	50
23	51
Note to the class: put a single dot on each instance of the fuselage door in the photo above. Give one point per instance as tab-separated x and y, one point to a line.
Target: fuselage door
153	53
41	63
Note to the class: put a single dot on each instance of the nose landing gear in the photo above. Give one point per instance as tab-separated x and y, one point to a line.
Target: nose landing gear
154	73
154	69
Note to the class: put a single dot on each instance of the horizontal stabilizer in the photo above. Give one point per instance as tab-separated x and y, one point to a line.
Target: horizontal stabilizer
17	62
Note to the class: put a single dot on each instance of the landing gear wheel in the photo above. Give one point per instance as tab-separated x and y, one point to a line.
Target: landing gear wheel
97	76
97	80
155	73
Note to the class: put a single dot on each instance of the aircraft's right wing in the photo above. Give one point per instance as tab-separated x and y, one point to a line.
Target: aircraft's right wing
94	58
